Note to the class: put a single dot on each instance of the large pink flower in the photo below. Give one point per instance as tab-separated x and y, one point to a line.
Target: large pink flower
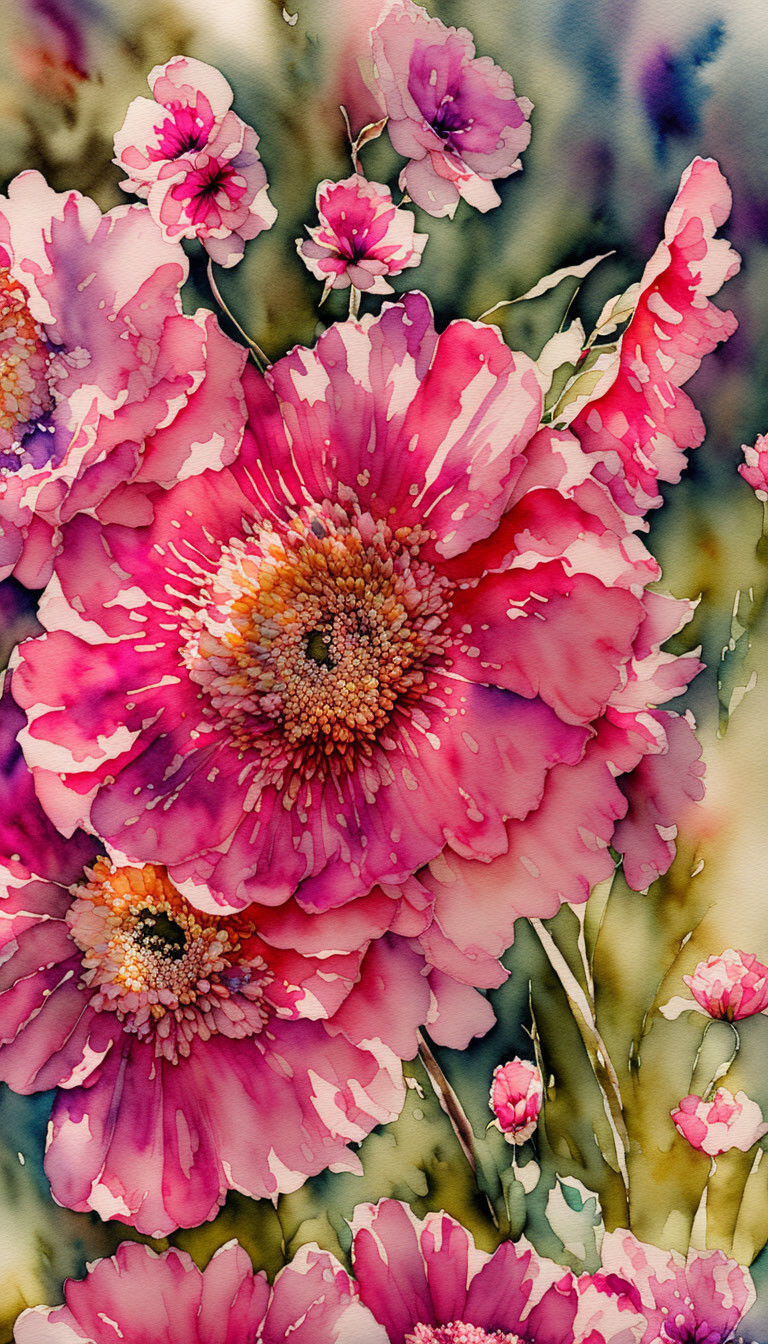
700	1298
453	115
719	1123
372	638
643	424
425	1282
196	1054
140	1297
195	161
107	387
361	238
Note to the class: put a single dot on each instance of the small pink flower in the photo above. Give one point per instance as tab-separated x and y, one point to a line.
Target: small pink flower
137	1294
700	1298
362	236
516	1096
198	166
725	1122
732	986
454	116
755	468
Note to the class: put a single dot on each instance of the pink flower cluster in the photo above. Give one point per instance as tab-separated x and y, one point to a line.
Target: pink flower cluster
376	677
194	161
417	1281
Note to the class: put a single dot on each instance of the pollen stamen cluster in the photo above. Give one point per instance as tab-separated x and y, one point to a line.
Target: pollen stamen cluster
24	362
309	639
457	1332
167	970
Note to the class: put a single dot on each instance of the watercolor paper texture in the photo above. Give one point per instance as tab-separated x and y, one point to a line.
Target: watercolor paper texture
383	574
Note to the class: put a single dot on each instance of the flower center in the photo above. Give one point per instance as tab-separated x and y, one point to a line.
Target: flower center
168	971
25	396
307	642
456	1332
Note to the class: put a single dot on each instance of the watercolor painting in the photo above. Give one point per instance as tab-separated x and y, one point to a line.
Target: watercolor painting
383	716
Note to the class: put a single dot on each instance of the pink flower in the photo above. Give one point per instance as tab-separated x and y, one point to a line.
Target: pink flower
726	1121
732	986
425	1282
362	236
395	593
138	1294
196	1054
197	166
755	468
454	116
642	426
702	1297
516	1096
108	389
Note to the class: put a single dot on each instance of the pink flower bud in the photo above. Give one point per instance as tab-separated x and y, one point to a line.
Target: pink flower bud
725	1122
516	1096
755	467
731	986
362	236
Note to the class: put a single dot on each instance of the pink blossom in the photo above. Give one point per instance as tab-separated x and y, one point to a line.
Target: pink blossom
724	1122
454	116
700	1297
109	390
430	601
732	986
138	1294
194	1054
425	1282
516	1096
198	165
755	467
643	424
362	237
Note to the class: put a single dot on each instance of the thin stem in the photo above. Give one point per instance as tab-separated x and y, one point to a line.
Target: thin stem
602	1066
721	1069
261	360
354	301
449	1102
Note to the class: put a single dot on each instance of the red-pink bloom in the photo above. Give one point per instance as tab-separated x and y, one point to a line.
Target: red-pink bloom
396	595
196	1054
425	1282
732	986
516	1096
362	236
453	115
643	424
755	467
724	1122
195	161
698	1298
108	389
139	1295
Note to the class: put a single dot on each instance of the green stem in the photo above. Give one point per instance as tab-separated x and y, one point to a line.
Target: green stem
261	360
354	301
602	1065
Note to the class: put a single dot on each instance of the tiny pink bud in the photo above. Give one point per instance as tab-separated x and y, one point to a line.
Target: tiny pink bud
754	468
516	1096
